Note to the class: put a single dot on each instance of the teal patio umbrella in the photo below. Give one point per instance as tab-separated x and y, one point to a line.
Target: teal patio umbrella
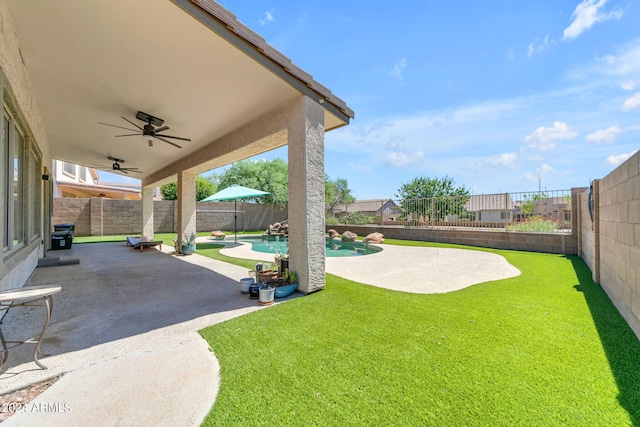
234	193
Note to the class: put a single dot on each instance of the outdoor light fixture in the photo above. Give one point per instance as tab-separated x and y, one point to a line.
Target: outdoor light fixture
149	139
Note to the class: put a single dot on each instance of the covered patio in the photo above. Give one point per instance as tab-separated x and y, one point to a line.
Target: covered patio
125	339
68	68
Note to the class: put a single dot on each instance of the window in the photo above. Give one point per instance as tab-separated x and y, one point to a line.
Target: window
13	148
35	195
83	173
5	152
69	169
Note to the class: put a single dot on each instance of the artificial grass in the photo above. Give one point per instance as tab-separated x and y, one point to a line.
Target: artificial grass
544	348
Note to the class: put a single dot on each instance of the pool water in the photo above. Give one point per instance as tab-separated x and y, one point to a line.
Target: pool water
341	249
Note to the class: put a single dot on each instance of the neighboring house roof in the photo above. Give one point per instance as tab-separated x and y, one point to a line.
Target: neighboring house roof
367	206
551	201
101	190
490	202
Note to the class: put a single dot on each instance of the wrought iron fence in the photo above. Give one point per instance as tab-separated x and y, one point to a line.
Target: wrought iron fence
531	212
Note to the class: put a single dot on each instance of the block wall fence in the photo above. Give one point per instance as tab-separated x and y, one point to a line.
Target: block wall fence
609	237
104	217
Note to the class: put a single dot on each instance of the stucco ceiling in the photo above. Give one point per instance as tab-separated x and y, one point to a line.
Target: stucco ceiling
95	61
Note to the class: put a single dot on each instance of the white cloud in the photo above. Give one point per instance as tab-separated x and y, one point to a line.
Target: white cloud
632	103
615	160
400	159
501	161
540	173
511	55
604	136
624	63
586	15
268	17
544	169
629	85
398	67
544	139
534	46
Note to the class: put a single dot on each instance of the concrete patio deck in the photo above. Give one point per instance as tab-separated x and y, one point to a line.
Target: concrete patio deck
124	328
124	337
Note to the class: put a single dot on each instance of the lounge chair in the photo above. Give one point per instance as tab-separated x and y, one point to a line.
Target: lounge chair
142	242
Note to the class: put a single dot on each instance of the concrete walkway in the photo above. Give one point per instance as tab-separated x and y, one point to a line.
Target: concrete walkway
124	328
124	336
409	269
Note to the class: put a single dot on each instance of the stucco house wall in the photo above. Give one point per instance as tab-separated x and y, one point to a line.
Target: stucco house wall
18	262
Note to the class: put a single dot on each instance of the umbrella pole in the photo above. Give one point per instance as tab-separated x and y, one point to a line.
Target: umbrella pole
235	221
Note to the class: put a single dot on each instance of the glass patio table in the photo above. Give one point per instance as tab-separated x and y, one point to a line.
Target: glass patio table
27	296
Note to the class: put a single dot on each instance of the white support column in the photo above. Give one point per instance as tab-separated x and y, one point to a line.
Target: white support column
186	204
306	194
147	212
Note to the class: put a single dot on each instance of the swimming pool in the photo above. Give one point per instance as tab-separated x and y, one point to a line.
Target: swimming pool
337	249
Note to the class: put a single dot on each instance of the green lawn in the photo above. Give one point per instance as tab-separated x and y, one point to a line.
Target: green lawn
546	348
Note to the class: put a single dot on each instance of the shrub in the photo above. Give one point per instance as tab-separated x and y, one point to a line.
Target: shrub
331	220
356	218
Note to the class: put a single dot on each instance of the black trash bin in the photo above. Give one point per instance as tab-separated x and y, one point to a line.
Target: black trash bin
65	227
61	240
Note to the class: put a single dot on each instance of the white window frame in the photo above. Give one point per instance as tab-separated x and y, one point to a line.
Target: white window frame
64	171
8	245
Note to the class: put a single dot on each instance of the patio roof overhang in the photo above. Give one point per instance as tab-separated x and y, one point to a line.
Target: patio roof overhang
189	62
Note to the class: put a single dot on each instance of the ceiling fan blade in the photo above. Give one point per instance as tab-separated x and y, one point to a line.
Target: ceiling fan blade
129	134
132	123
130	170
168	142
114	126
174	137
162	129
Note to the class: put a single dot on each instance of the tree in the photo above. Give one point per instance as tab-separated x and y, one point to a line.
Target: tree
337	193
273	176
205	186
266	175
529	202
413	193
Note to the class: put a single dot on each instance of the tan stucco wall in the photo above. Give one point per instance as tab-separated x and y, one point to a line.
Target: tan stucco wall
17	95
15	72
611	246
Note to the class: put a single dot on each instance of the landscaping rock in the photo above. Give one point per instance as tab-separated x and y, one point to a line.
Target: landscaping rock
374	238
349	236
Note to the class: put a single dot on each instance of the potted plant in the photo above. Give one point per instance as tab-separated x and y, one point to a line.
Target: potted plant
282	260
188	244
266	294
286	284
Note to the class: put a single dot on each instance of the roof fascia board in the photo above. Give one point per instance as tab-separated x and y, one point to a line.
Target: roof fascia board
196	8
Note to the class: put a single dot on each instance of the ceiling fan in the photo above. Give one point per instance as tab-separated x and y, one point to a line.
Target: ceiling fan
150	130
117	166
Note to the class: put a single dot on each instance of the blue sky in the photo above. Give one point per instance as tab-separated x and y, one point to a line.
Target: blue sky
495	94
